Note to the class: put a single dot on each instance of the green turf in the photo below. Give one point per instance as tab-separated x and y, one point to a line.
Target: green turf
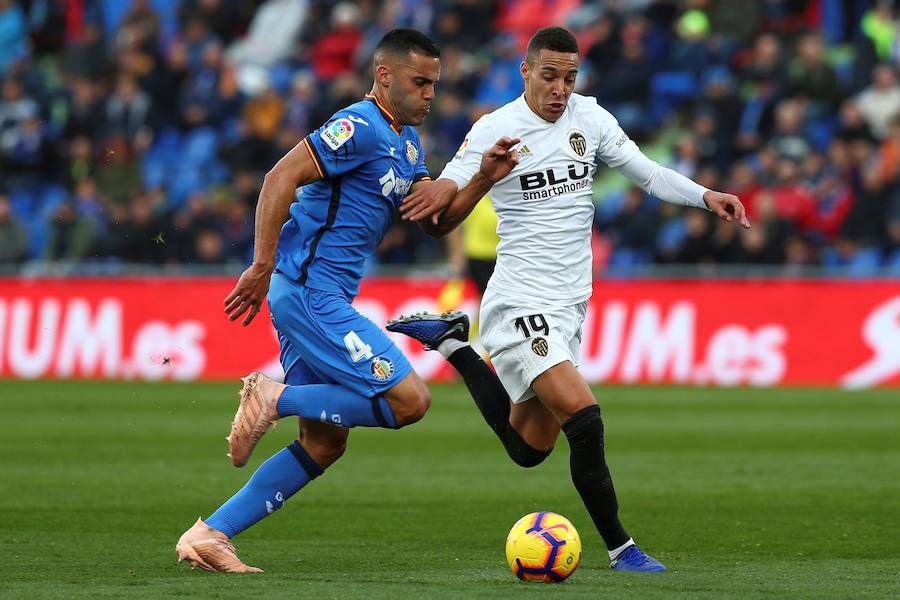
742	493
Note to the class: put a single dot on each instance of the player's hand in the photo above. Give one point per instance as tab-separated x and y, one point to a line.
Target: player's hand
727	206
499	159
429	198
248	294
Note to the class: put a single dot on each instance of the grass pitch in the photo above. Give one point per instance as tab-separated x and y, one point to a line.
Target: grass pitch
742	493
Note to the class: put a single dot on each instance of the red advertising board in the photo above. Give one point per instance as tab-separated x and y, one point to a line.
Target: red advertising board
755	332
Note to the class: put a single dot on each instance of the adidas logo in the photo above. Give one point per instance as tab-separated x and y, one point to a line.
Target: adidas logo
525	151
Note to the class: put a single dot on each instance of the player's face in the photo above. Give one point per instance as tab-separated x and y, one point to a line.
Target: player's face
413	87
549	82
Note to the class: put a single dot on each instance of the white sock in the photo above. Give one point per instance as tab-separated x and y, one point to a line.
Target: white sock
450	345
614	554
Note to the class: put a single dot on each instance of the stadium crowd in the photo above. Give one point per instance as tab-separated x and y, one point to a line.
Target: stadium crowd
139	131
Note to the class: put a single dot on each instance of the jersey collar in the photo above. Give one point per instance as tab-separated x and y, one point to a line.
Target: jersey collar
397	127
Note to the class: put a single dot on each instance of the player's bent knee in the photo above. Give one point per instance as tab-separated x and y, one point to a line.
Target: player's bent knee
412	407
521	452
529	457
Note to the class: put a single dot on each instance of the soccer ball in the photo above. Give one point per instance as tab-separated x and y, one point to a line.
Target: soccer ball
543	546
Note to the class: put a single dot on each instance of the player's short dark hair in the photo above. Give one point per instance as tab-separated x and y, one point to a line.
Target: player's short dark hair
556	39
402	41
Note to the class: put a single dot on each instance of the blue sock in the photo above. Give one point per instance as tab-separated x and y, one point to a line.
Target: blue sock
271	485
337	405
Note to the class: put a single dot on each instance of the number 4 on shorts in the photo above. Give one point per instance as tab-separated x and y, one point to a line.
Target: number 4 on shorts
356	347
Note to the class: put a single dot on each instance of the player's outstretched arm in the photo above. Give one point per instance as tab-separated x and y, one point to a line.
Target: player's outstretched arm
674	187
439	207
295	168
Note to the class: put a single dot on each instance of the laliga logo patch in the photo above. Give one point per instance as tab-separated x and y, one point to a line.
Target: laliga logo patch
578	142
382	368
412	153
336	133
540	346
462	149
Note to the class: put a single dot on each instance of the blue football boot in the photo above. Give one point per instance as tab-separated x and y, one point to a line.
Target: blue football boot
432	329
634	560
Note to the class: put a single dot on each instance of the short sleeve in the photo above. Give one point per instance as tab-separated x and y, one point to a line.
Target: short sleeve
342	144
467	160
615	147
421	171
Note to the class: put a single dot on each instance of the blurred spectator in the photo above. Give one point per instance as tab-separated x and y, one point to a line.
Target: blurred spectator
852	126
199	104
812	78
605	46
270	38
13	237
237	231
767	63
27	155
13	35
788	139
633	227
87	204
142	233
334	53
764	242
690	51
15	105
473	21
84	112
880	102
624	87
71	235
127	109
501	82
81	162
890	153
209	248
865	222
87	57
118	174
879	25
220	16
299	104
139	27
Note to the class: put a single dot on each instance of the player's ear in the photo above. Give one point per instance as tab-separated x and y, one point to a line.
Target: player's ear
383	75
524	70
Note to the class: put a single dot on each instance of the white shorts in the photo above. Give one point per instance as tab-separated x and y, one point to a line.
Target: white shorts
523	340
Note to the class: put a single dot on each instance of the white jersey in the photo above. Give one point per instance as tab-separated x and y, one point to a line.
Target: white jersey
544	206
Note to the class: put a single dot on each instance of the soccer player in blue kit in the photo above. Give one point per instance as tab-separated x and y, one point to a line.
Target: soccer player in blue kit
341	370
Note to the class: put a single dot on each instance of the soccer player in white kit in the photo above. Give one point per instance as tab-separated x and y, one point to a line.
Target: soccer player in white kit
535	303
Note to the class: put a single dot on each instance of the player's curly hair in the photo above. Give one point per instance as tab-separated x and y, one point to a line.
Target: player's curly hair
550	38
403	40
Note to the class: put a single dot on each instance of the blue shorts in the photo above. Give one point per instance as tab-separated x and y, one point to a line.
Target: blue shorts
324	340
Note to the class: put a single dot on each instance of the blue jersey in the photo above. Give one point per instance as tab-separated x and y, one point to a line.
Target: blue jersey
367	163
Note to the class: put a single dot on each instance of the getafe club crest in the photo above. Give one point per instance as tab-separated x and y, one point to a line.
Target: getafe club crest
412	153
578	142
382	368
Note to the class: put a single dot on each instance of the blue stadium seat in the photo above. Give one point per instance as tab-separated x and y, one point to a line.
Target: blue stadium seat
669	90
671	235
